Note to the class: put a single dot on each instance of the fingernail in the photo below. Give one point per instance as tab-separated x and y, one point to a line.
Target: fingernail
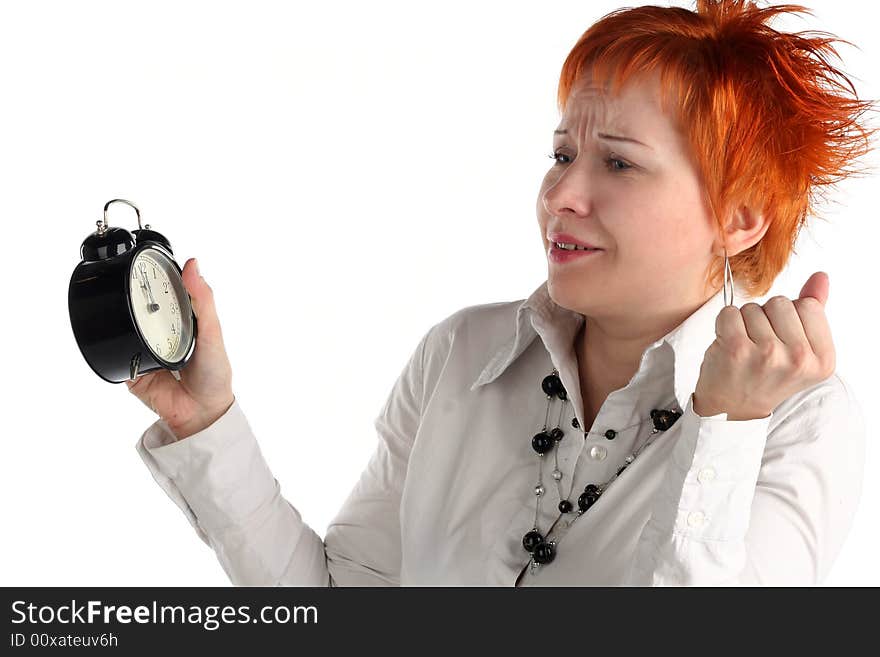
196	263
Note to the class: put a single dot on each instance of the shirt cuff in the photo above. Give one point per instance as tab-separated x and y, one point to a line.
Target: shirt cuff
218	476
710	483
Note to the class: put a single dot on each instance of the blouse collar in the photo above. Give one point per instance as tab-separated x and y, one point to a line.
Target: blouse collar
539	315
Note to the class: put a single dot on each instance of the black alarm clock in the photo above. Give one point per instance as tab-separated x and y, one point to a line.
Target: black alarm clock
129	309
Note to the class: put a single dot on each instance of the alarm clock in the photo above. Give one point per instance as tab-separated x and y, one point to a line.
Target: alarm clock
129	309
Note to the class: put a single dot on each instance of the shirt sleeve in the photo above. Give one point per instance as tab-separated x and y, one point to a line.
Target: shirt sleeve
221	482
746	505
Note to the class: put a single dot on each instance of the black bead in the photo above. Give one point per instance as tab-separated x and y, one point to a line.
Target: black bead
586	500
611	434
542	442
565	506
664	419
562	394
544	553
575	423
556	434
620	469
532	540
592	489
551	385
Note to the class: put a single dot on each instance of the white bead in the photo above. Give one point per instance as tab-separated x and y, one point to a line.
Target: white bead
598	452
539	490
557	475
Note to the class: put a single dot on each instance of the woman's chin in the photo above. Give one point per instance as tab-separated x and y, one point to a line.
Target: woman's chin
568	293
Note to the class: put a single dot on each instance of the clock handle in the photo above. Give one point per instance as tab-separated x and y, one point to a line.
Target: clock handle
121	200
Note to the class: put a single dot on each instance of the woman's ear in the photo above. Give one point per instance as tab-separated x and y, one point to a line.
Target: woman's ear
745	228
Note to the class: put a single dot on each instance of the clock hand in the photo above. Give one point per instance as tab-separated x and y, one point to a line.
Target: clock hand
143	288
153	306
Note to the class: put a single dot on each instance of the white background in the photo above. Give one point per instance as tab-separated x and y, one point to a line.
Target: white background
348	174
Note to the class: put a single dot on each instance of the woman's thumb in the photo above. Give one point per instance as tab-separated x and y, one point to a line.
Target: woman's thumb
202	300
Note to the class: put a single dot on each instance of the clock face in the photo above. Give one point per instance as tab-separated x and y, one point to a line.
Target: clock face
160	305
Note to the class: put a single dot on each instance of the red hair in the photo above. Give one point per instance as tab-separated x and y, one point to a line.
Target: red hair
767	123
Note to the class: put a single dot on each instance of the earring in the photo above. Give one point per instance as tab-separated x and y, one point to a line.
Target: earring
727	272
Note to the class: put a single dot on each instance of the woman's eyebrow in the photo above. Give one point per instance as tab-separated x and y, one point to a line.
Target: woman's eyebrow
602	135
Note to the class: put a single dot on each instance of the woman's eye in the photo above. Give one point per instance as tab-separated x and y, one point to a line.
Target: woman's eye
609	162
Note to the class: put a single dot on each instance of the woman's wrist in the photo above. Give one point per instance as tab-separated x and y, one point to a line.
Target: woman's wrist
204	421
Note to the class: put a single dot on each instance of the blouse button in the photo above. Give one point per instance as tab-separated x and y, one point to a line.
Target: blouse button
696	518
598	452
706	474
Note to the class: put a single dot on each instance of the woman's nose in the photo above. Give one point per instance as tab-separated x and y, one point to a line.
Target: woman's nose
571	192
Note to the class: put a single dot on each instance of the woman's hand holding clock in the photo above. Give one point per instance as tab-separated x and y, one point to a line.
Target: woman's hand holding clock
204	392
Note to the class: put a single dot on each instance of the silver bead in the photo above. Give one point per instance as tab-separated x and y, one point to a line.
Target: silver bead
557	475
629	459
539	490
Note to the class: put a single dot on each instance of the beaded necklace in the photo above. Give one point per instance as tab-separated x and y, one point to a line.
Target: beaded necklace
535	543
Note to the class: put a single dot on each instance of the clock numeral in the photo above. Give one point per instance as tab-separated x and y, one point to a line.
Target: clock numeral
154	273
173	308
165	283
170	345
158	349
173	329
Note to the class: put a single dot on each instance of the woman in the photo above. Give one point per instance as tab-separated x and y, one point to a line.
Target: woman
625	424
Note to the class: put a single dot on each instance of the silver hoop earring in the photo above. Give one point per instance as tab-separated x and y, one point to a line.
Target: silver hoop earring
727	273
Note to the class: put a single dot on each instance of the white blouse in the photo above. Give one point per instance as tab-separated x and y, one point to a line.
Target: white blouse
450	490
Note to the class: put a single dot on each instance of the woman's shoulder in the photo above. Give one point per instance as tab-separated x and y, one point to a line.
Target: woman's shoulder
832	403
494	318
471	334
833	390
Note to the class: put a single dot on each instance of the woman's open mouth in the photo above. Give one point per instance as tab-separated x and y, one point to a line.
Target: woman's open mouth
559	252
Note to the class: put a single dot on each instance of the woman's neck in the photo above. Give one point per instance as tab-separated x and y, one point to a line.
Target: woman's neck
609	356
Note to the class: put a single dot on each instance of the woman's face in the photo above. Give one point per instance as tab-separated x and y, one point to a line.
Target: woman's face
641	203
